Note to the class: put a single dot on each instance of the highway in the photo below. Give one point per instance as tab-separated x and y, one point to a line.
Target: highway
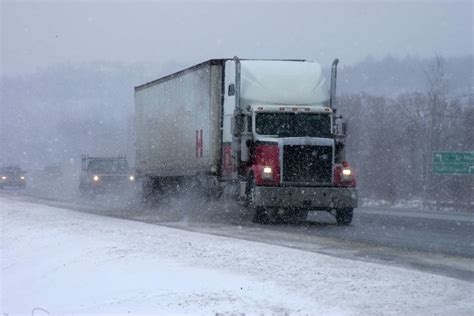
438	242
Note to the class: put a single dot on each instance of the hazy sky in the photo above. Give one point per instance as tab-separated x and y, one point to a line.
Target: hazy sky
39	34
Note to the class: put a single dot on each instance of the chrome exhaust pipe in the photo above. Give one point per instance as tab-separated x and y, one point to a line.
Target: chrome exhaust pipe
237	83
332	93
237	126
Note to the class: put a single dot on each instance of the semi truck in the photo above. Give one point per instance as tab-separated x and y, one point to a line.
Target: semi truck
264	132
101	175
12	176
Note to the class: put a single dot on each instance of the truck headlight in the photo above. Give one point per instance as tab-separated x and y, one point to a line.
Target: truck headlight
267	173
96	178
131	178
346	172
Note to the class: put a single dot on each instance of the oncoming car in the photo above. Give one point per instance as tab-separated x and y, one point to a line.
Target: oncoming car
100	175
12	176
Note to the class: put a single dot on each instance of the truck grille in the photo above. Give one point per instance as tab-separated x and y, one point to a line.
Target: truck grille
307	164
113	178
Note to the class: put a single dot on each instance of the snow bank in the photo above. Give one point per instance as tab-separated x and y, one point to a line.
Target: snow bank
69	262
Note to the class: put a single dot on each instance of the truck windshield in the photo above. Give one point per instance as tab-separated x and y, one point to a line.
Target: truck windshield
11	171
293	124
108	165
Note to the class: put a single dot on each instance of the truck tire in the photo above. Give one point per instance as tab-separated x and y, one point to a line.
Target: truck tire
260	213
261	216
91	194
344	216
295	216
83	192
146	191
87	193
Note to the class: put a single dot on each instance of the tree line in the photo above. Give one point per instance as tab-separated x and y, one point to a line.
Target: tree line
392	139
399	111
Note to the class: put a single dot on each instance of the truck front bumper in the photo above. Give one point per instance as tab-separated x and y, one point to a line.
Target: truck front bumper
322	198
13	183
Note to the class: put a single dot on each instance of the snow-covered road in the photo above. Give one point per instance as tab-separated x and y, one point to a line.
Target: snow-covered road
69	262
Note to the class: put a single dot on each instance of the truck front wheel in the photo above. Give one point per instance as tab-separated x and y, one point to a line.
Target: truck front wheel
344	216
261	216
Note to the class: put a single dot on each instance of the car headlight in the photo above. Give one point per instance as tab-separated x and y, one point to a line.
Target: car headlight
4	178
131	178
22	178
96	178
267	173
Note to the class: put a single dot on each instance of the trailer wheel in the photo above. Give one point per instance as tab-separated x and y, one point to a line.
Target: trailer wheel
344	216
261	216
87	193
295	216
145	191
260	213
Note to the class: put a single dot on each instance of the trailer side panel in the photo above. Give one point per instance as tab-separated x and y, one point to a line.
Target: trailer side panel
178	124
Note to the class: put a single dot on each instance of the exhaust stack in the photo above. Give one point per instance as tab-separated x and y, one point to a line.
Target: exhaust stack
237	83
237	124
332	93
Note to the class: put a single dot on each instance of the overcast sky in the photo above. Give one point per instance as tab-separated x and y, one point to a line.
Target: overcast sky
39	34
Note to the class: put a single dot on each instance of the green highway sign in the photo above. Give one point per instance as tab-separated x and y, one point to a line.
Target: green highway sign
451	163
453	157
455	168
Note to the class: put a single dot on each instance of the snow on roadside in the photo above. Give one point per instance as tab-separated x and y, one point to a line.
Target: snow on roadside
70	262
417	204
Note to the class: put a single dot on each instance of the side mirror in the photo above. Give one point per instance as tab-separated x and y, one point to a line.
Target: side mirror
344	128
231	90
245	147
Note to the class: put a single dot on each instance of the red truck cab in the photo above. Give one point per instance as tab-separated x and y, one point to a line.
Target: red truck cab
293	166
